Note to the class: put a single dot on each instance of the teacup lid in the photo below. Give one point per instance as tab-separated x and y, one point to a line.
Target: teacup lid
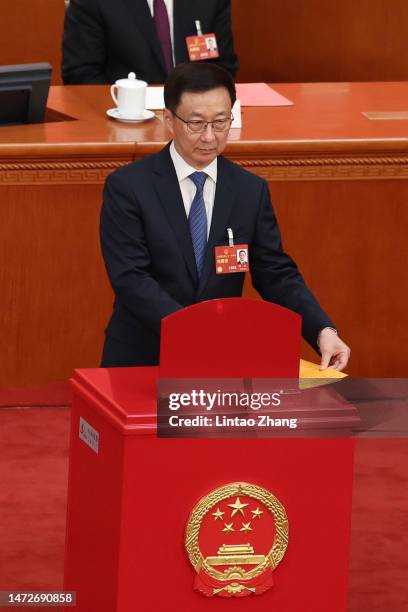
131	82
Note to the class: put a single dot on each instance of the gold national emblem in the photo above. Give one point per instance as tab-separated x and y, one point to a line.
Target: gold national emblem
235	537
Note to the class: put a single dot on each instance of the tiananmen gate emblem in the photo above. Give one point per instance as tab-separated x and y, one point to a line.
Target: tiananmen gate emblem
235	537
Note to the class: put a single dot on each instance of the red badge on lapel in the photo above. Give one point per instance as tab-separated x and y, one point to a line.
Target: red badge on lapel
202	47
230	259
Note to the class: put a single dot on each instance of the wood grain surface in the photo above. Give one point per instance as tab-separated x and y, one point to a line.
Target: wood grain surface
297	41
321	40
31	31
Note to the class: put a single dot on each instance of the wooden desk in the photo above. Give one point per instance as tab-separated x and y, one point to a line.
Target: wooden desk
31	31
338	182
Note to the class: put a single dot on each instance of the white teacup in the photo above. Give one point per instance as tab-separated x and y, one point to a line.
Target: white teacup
130	97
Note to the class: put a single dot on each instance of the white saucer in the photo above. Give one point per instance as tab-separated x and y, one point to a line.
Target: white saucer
115	114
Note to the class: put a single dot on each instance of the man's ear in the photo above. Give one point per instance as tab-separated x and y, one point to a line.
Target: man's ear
168	119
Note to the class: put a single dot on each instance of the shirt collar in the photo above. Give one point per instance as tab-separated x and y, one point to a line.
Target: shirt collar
183	169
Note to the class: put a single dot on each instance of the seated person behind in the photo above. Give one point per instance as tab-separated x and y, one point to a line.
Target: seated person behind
104	40
163	216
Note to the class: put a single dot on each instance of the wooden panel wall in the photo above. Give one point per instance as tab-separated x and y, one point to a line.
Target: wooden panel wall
349	241
277	41
56	299
31	31
321	40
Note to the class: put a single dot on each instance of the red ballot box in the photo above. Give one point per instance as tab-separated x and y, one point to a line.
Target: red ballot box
153	522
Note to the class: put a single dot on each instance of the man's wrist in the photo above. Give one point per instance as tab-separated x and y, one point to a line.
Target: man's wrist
332	329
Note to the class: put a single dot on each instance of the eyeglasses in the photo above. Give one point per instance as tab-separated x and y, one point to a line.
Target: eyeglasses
198	125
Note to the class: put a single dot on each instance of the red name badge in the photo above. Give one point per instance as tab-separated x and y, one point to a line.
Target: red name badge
202	47
231	259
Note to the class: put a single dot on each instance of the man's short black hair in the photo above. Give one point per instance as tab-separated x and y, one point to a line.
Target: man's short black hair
196	77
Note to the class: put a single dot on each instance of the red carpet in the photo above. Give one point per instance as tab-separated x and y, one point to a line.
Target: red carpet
33	479
379	541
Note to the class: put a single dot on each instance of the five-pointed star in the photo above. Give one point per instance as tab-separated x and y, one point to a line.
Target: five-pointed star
257	512
228	527
237	507
218	514
246	527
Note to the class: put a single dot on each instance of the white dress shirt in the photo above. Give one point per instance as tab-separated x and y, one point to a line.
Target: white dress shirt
169	5
187	187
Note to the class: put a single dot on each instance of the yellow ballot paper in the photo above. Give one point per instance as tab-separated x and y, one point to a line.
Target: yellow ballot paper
311	376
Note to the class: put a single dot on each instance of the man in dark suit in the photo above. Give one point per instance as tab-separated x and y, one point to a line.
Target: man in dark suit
163	216
105	40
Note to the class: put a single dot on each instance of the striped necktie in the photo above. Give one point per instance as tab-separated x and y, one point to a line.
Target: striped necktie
197	220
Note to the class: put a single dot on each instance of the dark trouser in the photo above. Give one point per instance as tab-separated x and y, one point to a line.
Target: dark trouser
118	354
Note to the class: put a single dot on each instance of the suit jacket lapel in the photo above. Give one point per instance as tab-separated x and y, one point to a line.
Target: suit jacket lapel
168	190
223	205
145	25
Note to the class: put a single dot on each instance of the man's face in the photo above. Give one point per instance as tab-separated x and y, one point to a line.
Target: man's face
242	256
199	149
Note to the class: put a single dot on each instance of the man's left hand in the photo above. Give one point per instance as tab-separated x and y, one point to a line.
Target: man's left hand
335	353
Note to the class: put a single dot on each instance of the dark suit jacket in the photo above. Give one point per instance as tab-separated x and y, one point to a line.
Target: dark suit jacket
150	261
104	40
